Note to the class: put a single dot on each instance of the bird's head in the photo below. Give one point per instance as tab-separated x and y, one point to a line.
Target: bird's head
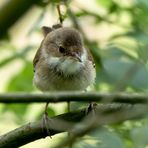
63	50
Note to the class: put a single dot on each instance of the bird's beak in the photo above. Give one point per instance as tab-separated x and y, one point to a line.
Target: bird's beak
77	56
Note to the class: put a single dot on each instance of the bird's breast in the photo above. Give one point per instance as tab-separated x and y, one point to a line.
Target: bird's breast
72	77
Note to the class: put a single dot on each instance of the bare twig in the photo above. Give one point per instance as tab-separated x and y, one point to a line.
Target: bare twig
133	98
60	14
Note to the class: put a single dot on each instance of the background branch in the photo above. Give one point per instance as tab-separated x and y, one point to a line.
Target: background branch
61	19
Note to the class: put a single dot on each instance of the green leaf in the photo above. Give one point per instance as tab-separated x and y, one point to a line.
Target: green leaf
139	137
17	110
23	80
101	138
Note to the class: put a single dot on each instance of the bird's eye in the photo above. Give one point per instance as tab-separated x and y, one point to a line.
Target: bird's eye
61	49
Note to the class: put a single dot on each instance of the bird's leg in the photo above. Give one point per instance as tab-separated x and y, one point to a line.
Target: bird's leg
91	106
46	108
46	120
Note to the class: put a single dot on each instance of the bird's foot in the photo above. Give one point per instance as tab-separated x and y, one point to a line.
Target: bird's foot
91	108
46	122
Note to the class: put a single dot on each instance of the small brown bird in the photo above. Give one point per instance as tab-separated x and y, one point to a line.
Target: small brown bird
62	62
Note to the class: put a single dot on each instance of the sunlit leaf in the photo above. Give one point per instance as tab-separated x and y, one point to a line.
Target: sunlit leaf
105	3
23	80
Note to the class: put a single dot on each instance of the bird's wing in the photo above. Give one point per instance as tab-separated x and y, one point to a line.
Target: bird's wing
36	58
90	57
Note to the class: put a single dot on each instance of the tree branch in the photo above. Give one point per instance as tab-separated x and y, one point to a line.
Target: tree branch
74	96
104	115
36	130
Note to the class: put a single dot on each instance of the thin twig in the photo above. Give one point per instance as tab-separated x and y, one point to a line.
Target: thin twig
60	14
53	97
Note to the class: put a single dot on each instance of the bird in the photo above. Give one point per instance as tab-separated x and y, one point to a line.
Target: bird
62	63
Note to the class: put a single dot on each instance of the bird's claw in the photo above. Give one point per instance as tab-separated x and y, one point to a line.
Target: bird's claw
46	121
91	108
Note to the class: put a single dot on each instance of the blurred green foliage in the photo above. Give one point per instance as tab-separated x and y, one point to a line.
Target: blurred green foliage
16	83
120	49
101	138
